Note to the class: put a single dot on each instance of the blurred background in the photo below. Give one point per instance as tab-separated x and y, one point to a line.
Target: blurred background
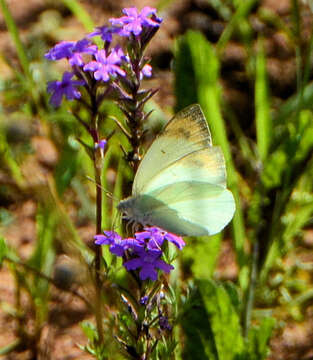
249	65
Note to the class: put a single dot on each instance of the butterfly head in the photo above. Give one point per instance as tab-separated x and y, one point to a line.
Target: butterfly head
126	207
135	209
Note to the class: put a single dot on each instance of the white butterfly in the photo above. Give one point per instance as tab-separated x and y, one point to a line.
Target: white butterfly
180	185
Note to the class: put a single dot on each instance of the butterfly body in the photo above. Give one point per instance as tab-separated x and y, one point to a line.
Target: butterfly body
180	185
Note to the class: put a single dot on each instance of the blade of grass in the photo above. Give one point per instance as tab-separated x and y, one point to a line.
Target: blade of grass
105	198
117	193
80	13
13	30
262	106
291	105
8	159
206	68
242	139
242	12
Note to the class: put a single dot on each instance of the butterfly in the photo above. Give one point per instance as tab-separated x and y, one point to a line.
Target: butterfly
180	184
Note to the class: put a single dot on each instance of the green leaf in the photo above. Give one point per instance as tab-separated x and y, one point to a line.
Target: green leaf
13	30
203	254
65	169
89	330
262	106
185	81
206	71
199	341
3	250
258	339
224	320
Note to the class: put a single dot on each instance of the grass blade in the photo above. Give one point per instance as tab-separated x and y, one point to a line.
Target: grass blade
80	13
206	68
241	13
262	106
12	28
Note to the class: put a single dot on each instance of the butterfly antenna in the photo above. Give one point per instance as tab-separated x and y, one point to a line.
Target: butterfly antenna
115	220
107	192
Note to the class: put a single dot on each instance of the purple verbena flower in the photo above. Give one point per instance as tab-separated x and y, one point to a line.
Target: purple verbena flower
72	51
144	300
106	65
146	71
118	246
175	239
133	22
156	237
152	236
148	261
64	87
114	240
164	324
102	144
106	32
60	51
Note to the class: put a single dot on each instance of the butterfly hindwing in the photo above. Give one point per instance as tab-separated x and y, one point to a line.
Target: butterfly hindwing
188	208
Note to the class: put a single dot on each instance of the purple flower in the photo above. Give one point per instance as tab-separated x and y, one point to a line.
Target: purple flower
133	22
156	237
164	324
114	240
64	87
144	300
105	32
148	261
118	246
176	240
101	145
72	51
153	235
60	51
106	66
146	71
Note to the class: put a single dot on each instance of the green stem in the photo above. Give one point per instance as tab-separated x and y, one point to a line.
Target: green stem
98	252
251	289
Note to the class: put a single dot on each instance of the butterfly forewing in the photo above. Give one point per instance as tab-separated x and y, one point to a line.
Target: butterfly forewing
186	133
205	165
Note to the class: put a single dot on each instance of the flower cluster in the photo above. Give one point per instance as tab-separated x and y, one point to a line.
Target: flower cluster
104	64
143	252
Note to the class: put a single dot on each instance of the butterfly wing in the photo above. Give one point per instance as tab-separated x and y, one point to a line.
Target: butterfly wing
188	208
186	133
180	184
205	165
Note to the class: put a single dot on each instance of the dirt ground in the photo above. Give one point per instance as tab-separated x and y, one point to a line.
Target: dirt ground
62	332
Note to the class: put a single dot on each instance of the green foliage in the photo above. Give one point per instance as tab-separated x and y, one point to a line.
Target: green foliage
93	347
212	325
205	67
262	105
66	168
13	30
224	320
3	250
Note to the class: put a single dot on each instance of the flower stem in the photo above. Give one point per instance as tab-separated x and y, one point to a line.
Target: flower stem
98	253
251	291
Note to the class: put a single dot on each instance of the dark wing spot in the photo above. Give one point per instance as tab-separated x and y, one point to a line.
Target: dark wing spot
184	132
